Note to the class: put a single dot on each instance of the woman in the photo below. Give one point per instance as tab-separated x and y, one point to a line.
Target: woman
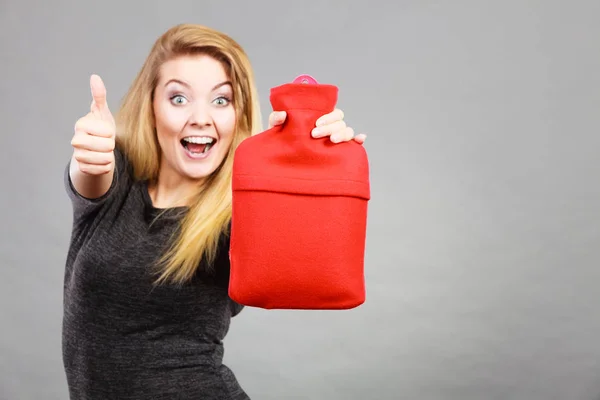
146	305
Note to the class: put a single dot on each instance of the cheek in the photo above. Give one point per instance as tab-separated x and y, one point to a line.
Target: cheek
225	123
169	122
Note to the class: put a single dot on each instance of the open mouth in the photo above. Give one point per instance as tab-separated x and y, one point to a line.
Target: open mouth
198	145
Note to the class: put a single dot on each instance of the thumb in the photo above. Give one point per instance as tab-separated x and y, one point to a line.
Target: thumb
277	118
99	105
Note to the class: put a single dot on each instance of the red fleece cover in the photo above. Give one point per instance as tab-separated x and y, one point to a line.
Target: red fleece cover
298	229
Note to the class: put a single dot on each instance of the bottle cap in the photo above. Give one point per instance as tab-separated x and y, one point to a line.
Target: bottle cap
306	79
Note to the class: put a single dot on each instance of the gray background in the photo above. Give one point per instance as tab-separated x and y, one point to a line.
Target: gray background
483	242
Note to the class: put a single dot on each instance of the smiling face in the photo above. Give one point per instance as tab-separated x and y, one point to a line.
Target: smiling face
194	116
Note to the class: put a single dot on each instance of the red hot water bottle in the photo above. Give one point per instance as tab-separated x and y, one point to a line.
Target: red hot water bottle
298	229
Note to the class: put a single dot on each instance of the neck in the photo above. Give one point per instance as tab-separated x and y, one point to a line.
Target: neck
172	190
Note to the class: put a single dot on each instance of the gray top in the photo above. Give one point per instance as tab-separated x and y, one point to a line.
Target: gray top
123	337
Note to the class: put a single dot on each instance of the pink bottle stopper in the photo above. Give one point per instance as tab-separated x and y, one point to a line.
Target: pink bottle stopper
306	79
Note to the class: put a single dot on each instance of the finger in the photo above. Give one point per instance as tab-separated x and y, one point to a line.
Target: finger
360	138
95	127
92	169
81	140
342	136
93	157
335	115
277	118
328	130
99	105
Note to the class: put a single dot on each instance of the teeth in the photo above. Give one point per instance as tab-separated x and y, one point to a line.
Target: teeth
199	139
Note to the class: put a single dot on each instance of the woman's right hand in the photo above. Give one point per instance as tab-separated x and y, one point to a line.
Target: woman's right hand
94	139
93	161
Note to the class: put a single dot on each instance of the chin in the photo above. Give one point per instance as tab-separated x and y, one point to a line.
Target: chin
197	174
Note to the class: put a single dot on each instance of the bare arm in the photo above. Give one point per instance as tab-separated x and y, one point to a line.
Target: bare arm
89	186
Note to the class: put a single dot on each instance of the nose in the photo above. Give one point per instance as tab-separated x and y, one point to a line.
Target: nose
201	116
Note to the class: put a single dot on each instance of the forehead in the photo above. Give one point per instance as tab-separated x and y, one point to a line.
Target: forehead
197	70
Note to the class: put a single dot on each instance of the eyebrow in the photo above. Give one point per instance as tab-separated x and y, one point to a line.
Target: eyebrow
175	80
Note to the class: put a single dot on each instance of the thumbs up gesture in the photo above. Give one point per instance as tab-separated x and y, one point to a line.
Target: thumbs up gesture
94	139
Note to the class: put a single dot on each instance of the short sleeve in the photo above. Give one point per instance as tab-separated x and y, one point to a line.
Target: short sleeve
84	208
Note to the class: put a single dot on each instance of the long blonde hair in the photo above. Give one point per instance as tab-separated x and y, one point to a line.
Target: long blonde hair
210	211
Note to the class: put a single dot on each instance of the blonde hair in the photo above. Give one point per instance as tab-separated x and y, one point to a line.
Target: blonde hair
210	211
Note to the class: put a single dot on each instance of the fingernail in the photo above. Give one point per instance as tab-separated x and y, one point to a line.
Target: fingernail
320	123
316	132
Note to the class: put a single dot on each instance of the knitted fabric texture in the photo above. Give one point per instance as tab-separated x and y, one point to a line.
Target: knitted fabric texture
299	216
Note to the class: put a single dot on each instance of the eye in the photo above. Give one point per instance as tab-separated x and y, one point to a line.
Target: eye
222	101
178	100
